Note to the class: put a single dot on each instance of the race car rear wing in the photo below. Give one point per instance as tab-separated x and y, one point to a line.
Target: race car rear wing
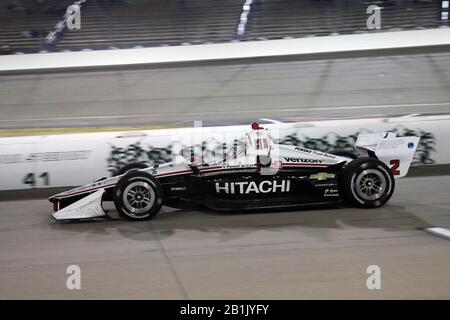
396	152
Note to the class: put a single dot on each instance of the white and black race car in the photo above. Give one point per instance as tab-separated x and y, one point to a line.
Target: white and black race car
259	175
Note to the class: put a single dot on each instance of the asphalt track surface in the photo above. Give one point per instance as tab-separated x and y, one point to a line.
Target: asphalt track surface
228	92
320	253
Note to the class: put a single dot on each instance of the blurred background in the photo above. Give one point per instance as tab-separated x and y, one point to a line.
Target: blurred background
109	24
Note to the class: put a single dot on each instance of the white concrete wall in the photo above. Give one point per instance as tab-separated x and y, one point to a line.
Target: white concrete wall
227	51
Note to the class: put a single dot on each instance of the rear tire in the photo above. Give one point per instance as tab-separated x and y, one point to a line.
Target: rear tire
367	183
344	153
138	196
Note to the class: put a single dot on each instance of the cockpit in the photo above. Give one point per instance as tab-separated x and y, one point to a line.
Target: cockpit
259	144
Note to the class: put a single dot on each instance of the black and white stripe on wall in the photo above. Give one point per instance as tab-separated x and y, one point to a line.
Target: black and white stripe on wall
444	10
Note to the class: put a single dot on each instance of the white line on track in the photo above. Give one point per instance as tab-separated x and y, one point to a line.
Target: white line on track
271	110
411	115
440	232
270	120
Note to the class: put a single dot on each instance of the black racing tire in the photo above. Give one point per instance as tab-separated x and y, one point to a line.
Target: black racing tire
344	153
366	183
138	196
131	166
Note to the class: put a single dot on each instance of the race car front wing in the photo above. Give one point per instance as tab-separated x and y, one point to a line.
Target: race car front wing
86	208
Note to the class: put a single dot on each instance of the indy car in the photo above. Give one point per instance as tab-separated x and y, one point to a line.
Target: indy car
261	174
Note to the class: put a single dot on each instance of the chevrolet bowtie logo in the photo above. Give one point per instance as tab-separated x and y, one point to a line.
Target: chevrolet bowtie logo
322	176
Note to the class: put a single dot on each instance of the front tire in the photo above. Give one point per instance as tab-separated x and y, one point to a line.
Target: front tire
367	183
130	167
138	196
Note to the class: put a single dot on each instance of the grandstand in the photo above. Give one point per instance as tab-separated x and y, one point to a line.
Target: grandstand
291	18
124	24
25	24
107	24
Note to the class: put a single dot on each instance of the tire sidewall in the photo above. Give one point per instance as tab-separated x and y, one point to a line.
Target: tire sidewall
354	169
134	176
